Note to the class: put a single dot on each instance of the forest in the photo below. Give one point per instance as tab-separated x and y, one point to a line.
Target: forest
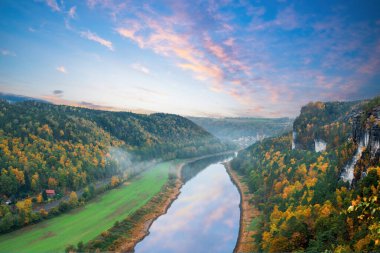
62	148
304	204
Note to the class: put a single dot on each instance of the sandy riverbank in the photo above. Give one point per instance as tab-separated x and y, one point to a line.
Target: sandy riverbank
248	212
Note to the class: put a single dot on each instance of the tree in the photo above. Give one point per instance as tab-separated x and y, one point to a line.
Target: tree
80	246
44	195
73	199
52	183
8	184
6	222
39	198
114	181
43	212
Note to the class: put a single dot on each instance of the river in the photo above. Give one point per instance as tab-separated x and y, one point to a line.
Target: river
204	217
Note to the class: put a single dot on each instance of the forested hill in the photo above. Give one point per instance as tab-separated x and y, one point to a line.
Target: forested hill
321	192
64	148
13	98
321	121
244	131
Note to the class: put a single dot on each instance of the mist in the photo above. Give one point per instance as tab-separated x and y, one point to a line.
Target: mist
126	163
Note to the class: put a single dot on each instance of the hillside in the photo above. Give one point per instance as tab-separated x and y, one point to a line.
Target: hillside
243	131
65	148
323	122
319	188
13	98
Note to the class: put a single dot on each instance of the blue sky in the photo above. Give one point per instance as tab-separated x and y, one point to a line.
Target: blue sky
201	58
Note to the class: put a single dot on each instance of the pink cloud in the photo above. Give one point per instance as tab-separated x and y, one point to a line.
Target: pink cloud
195	52
372	64
72	12
167	42
229	42
215	49
61	69
92	36
53	5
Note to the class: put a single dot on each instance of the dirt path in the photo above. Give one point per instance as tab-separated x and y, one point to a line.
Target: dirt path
248	212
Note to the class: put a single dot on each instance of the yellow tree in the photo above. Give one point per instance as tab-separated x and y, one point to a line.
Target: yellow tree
114	181
73	198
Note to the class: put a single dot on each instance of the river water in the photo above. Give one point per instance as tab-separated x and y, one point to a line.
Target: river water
204	217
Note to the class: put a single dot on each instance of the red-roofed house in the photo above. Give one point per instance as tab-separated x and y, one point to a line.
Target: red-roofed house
50	193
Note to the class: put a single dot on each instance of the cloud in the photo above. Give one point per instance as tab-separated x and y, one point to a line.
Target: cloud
53	5
229	42
58	93
72	12
92	36
268	60
5	52
93	3
163	40
215	49
61	69
160	35
286	19
139	67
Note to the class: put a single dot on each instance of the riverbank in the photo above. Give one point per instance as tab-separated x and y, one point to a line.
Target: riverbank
248	213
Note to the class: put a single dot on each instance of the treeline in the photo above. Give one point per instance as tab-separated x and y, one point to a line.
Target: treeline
45	146
304	204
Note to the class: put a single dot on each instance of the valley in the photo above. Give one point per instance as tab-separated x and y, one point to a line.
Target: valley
243	132
289	185
189	126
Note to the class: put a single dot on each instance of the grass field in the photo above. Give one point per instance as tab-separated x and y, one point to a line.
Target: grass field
87	222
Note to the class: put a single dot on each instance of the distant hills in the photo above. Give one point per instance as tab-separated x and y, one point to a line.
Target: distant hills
244	131
13	98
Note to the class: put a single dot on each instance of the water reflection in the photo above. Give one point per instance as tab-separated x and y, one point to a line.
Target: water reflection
193	168
204	218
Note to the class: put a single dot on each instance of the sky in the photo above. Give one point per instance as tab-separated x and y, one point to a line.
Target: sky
196	58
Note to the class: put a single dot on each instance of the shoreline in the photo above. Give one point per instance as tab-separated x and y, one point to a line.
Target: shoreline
245	242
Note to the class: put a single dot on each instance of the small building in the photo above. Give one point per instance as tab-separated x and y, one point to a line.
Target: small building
50	193
8	202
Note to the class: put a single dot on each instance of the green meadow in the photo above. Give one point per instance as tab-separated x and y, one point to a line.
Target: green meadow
86	222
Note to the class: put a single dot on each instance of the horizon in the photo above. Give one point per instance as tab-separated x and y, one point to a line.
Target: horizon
235	59
114	109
